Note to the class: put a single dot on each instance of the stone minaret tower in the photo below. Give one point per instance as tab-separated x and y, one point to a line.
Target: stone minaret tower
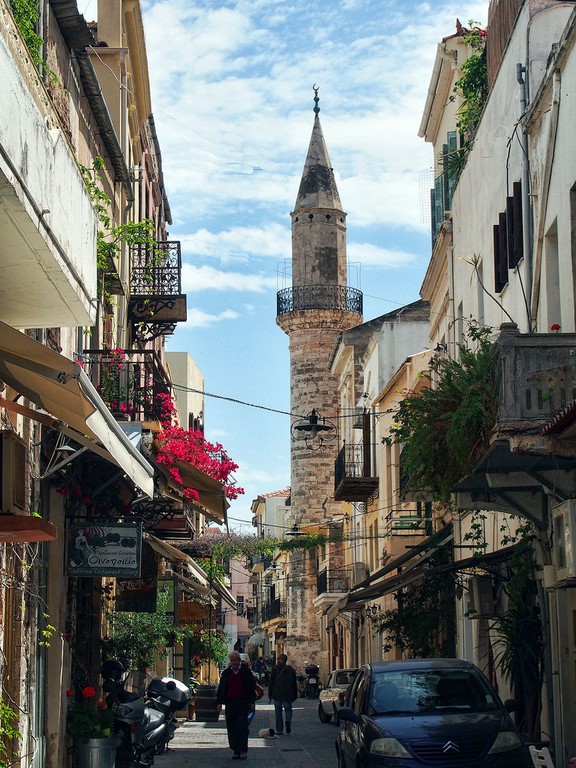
313	312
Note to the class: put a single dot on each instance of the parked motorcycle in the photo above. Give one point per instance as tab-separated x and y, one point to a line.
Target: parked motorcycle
168	695
141	728
312	683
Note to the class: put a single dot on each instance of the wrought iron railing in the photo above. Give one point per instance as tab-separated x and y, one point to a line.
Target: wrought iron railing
309	297
157	270
273	609
129	381
416	521
333	580
354	460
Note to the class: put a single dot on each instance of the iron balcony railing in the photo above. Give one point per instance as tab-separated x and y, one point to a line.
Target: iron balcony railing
354	477
157	270
333	580
273	609
129	381
416	521
311	297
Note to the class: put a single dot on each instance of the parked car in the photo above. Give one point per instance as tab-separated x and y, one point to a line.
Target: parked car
427	712
333	696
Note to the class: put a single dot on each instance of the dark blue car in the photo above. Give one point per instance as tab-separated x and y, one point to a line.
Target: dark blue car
427	713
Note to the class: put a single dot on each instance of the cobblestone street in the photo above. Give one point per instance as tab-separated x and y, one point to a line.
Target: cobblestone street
310	745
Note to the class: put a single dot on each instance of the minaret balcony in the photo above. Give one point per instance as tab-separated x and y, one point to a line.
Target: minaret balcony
314	297
354	478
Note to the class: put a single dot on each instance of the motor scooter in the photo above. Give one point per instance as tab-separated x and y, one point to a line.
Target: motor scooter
168	695
312	684
140	728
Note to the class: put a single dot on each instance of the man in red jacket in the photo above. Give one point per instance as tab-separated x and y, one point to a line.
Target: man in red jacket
237	691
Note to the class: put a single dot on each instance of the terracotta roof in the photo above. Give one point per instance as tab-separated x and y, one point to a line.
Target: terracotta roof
285	492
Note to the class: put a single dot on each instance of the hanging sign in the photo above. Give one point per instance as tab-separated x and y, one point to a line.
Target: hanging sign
96	549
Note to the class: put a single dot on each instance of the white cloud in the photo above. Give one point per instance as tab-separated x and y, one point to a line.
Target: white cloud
203	278
198	318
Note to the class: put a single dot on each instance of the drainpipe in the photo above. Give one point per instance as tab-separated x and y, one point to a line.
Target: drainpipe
543	195
526	208
124	266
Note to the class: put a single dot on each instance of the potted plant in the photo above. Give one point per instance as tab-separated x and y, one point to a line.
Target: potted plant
89	724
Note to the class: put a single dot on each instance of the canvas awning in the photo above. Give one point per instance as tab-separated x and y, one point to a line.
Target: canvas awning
63	391
211	493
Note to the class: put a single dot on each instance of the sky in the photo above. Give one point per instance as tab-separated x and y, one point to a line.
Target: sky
232	97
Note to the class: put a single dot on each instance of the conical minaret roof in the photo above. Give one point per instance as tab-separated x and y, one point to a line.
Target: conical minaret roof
318	185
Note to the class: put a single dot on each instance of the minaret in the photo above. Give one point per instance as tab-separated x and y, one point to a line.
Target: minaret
313	312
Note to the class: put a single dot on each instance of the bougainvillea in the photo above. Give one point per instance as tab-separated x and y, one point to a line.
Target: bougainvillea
177	445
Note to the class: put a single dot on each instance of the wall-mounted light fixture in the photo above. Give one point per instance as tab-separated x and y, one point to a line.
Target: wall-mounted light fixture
371	611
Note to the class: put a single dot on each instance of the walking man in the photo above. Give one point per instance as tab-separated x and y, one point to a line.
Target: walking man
283	690
237	691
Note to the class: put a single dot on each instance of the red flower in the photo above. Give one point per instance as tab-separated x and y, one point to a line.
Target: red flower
101	705
69	692
555	327
89	692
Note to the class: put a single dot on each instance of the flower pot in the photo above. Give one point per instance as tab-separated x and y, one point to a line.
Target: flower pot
97	753
205	701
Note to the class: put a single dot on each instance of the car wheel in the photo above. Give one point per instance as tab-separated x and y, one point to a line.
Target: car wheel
324	718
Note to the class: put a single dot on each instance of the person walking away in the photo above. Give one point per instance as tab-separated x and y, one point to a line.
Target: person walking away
283	690
237	691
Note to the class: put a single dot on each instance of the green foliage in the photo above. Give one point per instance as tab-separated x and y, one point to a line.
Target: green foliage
472	88
138	639
26	14
306	541
205	644
520	644
421	622
441	426
110	239
89	721
8	733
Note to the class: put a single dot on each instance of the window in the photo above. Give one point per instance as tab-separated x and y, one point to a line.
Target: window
240	610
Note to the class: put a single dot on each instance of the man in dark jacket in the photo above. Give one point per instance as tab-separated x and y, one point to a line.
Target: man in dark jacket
237	691
283	689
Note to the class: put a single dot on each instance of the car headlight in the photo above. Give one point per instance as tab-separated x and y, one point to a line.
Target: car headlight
505	741
388	747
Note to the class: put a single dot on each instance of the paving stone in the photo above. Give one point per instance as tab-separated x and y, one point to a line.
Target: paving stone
205	745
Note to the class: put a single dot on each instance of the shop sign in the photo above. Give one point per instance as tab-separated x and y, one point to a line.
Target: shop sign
96	549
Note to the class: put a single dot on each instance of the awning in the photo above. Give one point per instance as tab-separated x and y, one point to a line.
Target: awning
257	638
175	555
60	387
211	494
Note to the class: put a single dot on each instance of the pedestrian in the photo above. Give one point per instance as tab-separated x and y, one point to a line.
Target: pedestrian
283	690
237	691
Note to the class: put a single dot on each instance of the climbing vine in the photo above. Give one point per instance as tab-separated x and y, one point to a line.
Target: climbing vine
472	89
441	426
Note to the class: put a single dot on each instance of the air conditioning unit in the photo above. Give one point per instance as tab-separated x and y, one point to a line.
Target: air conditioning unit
481	596
12	473
564	538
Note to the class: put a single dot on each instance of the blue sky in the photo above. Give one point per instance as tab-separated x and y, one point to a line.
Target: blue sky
232	100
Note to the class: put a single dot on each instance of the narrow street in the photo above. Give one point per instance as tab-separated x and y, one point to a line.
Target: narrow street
310	745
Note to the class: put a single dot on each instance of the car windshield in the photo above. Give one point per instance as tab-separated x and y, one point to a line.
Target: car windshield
429	690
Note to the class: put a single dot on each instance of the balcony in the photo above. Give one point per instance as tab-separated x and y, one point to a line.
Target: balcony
330	581
532	447
260	563
129	381
274	609
47	223
353	475
314	297
156	299
408	522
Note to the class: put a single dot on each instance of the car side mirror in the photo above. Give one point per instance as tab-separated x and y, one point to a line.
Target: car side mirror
510	705
348	714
